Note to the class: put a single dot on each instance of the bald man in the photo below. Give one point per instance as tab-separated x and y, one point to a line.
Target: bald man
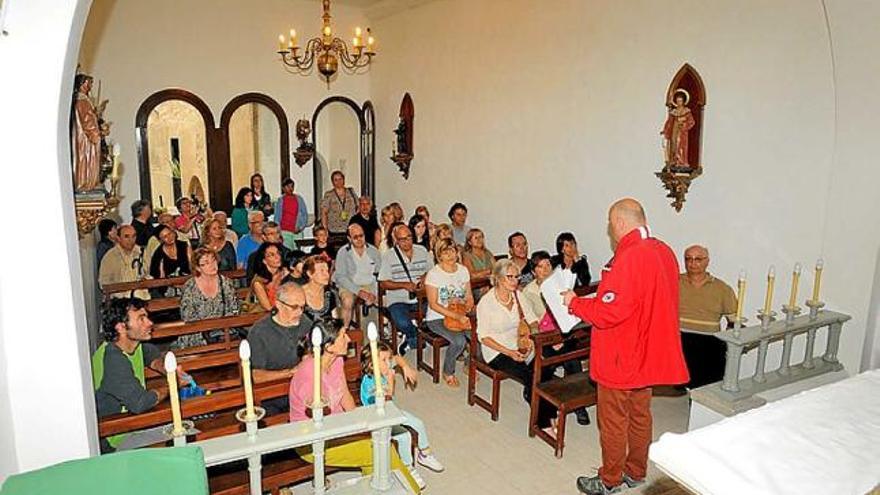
635	345
704	300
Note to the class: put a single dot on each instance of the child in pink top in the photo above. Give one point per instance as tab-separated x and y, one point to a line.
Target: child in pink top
333	387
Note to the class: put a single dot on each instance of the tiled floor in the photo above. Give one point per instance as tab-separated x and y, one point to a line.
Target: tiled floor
486	457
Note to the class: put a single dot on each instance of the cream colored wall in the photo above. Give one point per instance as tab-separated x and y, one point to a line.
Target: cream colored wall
538	117
216	49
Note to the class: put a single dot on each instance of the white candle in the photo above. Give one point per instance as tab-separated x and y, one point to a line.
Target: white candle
280	42
317	340
768	297
817	280
373	335
795	278
740	294
244	352
171	376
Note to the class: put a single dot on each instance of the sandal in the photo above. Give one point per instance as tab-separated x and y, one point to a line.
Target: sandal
451	381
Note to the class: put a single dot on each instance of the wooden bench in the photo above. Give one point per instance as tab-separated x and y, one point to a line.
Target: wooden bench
226	324
158	283
566	394
167	303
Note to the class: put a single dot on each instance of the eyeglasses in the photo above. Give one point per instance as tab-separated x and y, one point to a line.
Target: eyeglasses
512	277
294	307
405	238
359	236
698	259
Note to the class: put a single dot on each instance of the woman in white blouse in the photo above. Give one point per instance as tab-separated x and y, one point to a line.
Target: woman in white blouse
504	348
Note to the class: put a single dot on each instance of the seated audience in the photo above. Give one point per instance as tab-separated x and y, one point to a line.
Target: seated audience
322	245
275	339
387	363
269	271
505	344
383	235
337	207
189	222
153	244
321	299
334	390
402	273
141	214
703	300
244	205
397	210
423	212
458	213
296	273
567	256
357	264
262	200
119	362
448	282
249	242
215	240
419	228
123	263
366	218
171	259
518	250
270	233
231	236
206	295
107	237
476	258
291	212
531	297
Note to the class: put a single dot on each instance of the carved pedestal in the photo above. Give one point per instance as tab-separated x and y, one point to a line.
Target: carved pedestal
90	209
677	183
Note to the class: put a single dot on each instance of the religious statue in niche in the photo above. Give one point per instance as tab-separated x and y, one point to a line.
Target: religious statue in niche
675	132
682	134
402	146
306	150
401	138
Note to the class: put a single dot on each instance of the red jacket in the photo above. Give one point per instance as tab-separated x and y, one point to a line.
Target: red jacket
635	339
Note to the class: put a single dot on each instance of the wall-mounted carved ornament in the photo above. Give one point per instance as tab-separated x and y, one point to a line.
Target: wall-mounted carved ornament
305	150
402	153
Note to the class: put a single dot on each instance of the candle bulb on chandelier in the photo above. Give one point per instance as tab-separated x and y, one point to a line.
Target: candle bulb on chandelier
280	42
293	37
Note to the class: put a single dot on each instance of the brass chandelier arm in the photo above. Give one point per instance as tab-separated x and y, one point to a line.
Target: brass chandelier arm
306	57
356	61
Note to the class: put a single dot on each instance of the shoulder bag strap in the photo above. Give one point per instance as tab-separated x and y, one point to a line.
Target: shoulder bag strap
402	262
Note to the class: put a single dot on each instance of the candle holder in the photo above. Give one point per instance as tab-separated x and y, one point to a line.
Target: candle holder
180	436
250	424
738	323
317	413
815	306
766	318
790	313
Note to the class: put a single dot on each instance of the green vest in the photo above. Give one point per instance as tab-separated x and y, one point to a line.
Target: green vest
137	366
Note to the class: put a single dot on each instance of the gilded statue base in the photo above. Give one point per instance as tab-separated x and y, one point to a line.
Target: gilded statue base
403	161
677	181
303	154
91	208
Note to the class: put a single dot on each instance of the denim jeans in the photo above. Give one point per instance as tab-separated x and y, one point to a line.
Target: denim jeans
404	439
457	343
400	315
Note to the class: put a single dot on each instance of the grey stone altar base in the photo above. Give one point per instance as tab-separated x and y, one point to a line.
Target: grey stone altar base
734	395
222	450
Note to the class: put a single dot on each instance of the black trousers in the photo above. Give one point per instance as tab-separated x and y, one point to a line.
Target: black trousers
705	355
522	372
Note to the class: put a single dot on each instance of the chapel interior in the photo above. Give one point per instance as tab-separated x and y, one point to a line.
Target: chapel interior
535	114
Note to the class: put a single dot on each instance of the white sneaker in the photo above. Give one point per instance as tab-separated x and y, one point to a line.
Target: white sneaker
417	477
430	462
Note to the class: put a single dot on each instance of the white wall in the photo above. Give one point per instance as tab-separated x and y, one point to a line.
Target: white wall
49	416
538	118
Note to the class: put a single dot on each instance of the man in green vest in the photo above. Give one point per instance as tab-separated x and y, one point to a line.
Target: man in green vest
118	364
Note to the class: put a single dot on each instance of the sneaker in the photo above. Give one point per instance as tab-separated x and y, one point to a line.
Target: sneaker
583	417
430	462
594	486
417	477
632	482
401	349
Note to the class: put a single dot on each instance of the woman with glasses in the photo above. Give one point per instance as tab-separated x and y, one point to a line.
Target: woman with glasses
206	295
268	274
505	343
448	286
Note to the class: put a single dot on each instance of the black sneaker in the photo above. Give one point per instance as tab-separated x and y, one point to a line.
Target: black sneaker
583	417
594	486
401	349
632	482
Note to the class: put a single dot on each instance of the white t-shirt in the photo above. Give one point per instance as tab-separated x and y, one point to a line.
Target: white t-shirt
501	324
363	275
449	286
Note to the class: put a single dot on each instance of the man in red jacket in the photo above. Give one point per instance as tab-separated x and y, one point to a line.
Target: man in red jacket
635	344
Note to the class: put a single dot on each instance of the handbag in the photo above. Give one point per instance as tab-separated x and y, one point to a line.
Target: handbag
523	330
453	324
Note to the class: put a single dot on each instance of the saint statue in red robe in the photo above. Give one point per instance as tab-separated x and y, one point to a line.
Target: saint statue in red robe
86	140
675	131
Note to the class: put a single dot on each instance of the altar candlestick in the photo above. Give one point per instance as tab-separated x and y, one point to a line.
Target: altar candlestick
244	352
171	375
373	335
817	281
795	278
740	294
317	339
768	297
116	152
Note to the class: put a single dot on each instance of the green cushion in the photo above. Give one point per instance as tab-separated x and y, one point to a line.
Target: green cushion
164	471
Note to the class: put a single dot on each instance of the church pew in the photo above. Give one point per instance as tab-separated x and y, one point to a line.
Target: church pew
166	303
225	323
156	283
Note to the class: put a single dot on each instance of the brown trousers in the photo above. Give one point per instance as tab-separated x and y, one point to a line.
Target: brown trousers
625	425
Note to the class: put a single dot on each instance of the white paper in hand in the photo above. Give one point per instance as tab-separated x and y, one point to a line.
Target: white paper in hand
552	288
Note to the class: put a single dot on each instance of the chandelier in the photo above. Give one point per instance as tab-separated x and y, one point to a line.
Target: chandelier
327	51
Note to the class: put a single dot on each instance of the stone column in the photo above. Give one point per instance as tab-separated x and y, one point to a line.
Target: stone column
731	369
